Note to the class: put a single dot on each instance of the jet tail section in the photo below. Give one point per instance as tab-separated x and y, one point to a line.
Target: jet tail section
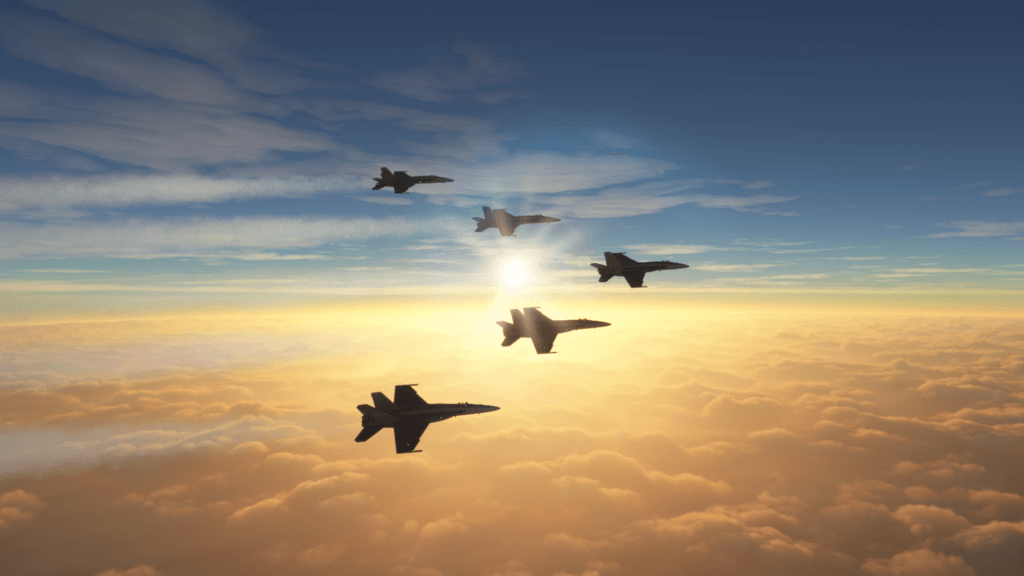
605	278
487	212
518	320
381	402
386	174
510	332
481	226
374	417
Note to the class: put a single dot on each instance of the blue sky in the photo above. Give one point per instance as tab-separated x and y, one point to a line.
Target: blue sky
216	148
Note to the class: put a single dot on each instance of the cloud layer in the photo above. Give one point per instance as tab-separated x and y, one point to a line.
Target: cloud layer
698	440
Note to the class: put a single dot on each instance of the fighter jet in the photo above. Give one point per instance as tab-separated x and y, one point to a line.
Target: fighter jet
507	223
618	265
409	415
401	181
543	330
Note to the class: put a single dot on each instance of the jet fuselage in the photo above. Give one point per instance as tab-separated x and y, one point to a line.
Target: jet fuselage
617	264
401	181
409	415
507	223
530	323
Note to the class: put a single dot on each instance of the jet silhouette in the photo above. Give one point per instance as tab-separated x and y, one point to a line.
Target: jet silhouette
542	330
507	223
409	415
401	181
618	265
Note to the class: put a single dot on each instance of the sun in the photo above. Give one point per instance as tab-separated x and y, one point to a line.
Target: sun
514	273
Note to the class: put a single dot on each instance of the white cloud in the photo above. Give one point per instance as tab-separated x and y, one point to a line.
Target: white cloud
759	184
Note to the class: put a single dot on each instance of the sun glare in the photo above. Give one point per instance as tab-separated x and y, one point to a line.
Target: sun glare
514	273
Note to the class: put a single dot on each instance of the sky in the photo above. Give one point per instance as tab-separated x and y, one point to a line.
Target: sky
199	286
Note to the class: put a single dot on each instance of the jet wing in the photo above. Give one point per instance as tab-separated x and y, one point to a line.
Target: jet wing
401	188
406	397
543	342
635	279
505	228
535	315
407	436
536	219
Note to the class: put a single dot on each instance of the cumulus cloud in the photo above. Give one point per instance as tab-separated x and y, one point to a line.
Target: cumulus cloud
765	442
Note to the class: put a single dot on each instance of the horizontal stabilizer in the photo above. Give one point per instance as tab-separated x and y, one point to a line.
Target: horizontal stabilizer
481	227
509	340
605	277
367	433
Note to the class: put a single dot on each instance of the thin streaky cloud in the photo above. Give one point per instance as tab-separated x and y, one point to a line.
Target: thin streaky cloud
759	184
672	249
20	193
980	228
242	238
853	258
713	267
1002	192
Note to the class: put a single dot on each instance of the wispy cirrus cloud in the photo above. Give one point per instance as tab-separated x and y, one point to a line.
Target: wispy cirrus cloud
121	67
243	238
438	80
197	29
98	191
